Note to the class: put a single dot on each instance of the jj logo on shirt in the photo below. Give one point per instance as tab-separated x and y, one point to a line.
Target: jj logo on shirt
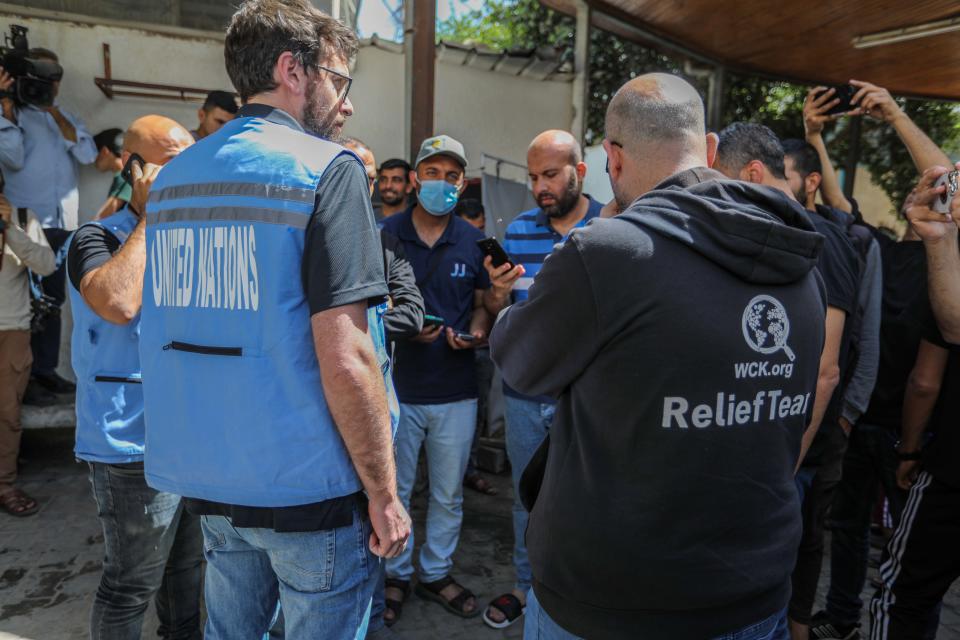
459	270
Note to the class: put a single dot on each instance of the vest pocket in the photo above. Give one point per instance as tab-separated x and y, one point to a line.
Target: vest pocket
203	349
120	379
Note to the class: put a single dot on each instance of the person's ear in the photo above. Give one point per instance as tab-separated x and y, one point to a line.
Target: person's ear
813	182
581	169
753	172
713	141
408	189
412	181
463	186
289	73
124	156
201	114
614	160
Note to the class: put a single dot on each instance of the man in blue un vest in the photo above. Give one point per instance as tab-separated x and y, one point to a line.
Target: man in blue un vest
151	546
266	376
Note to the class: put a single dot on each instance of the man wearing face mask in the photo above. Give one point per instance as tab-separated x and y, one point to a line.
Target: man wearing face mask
435	376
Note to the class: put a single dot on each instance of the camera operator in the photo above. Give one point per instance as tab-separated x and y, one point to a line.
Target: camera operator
40	148
22	246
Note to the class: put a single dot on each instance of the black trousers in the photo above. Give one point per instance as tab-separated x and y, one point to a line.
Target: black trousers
816	504
923	561
46	343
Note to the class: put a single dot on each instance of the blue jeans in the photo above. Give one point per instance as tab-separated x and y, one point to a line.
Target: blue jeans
152	549
540	626
527	425
446	430
323	579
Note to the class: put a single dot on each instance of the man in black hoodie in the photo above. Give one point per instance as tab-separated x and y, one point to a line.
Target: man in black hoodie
692	325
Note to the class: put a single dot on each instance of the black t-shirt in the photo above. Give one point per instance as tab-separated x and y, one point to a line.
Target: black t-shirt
840	270
904	285
942	454
91	247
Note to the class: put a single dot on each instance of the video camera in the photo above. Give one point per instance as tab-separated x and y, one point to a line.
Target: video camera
33	78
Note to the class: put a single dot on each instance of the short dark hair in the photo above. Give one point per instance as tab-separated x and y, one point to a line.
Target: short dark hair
397	163
112	139
221	100
469	208
744	142
805	158
261	30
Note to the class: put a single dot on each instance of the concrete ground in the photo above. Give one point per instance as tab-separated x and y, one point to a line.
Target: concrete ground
49	564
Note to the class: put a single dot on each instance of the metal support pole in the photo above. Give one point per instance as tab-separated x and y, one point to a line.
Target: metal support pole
853	157
419	40
716	94
581	68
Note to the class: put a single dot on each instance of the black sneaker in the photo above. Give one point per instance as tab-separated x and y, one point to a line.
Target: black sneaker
37	396
54	383
822	629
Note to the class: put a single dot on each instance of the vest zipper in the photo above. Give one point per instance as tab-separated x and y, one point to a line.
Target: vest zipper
210	351
117	379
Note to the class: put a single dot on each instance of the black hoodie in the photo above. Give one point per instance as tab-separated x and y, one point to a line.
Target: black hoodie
682	339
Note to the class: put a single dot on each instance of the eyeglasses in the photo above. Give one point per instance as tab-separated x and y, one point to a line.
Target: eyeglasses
615	144
341	82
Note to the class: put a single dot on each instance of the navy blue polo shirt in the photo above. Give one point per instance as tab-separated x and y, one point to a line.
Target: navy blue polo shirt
435	373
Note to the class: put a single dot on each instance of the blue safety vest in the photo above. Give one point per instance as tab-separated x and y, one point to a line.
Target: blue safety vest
235	406
106	360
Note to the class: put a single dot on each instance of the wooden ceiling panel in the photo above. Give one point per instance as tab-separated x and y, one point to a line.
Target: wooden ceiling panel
809	41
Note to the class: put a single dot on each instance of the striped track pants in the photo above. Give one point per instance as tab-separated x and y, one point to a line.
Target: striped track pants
923	561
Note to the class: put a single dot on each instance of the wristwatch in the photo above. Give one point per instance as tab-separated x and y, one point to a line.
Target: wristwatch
908	455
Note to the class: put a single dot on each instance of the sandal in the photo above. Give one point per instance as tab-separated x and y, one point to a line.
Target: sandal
507	604
480	484
455	605
396	606
17	503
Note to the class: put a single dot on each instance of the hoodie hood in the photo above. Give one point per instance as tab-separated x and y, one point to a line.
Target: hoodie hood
752	231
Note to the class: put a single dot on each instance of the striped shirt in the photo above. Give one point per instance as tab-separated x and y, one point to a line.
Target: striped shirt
530	239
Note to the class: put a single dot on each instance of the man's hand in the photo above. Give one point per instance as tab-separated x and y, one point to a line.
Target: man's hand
457	344
932	227
846	426
143	178
819	100
875	102
391	527
502	278
6	80
6	103
907	473
6	210
428	334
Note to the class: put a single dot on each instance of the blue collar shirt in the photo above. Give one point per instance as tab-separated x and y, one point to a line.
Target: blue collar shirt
41	166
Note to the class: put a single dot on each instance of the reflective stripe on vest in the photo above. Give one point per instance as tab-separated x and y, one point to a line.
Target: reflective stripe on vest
236	410
106	360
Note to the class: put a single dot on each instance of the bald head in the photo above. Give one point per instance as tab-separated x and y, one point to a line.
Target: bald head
555	142
156	139
656	108
654	129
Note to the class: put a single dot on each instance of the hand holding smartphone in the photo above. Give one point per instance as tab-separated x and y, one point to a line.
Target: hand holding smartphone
491	247
951	182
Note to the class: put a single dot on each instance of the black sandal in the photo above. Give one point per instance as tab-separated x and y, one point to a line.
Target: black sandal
396	606
455	605
507	604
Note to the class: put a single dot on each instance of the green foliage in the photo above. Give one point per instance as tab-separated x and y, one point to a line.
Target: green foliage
526	24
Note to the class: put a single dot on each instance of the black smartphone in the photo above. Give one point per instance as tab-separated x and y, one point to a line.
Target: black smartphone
491	247
466	337
127	172
432	321
844	93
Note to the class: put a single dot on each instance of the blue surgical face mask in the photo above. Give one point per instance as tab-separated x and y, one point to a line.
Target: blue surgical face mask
438	197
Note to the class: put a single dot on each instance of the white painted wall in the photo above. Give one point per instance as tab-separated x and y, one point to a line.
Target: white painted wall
136	55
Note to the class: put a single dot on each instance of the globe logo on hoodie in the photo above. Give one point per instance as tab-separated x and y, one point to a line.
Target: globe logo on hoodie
766	326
